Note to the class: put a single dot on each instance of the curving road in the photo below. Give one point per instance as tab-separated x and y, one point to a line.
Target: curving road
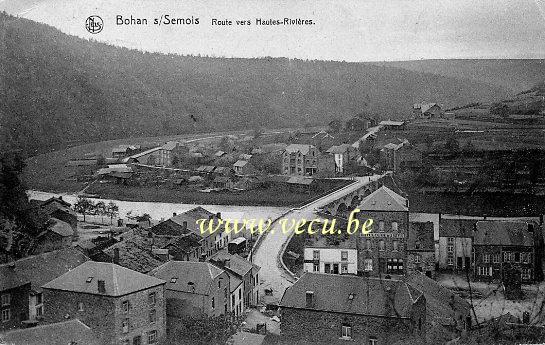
272	274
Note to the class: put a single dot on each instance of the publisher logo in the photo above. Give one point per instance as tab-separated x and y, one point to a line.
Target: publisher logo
94	24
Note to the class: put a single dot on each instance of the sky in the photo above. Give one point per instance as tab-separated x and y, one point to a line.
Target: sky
362	30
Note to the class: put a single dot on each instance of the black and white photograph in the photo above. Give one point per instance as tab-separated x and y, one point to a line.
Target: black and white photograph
272	172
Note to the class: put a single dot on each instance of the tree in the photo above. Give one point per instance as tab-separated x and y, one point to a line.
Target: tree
144	218
452	146
112	210
335	125
101	161
84	206
100	208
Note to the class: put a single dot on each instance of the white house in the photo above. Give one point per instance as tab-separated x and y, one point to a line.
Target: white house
331	256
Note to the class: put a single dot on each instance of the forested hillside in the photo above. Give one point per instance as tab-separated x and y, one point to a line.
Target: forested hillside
59	90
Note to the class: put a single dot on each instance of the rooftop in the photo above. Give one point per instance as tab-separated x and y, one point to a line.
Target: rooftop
384	199
504	233
303	148
233	262
62	333
135	253
188	276
61	228
118	281
352	295
420	236
450	227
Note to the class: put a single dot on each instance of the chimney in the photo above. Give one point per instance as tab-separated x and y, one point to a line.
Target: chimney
389	298
173	214
116	256
540	219
184	225
218	215
101	286
530	227
310	299
60	197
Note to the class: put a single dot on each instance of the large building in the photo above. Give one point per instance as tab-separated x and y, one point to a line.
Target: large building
502	245
121	306
333	309
455	244
300	159
383	250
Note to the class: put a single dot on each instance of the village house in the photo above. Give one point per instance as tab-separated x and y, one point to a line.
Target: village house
71	332
384	249
343	154
443	306
119	173
120	305
122	151
59	209
158	156
427	110
299	159
242	269
194	289
359	124
23	306
323	254
242	167
332	309
399	154
390	125
421	249
135	252
57	235
455	244
502	245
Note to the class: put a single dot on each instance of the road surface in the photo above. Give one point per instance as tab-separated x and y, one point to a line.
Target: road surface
267	256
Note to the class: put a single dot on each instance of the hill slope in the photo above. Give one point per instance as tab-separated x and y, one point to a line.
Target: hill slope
514	75
60	90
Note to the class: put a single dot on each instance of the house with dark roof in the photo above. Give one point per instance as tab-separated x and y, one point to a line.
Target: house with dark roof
332	309
342	154
499	246
57	235
194	289
72	332
443	306
398	154
120	305
27	303
243	167
455	243
243	269
421	248
383	251
427	110
56	207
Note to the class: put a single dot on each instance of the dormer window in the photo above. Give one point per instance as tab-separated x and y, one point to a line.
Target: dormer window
173	280
89	279
346	331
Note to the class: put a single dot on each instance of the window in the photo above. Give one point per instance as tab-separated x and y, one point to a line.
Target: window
213	303
6	315
152	298
344	255
137	340
517	257
450	261
395	246
240	294
505	256
316	267
417	244
394	226
484	271
511	257
486	258
373	341
39	298
173	280
6	300
219	283
369	244
152	316
80	306
417	259
126	342
450	240
344	268
152	337
125	306
367	265
346	331
450	247
381	226
496	258
526	274
394	266
225	293
381	245
327	268
125	326
233	299
315	255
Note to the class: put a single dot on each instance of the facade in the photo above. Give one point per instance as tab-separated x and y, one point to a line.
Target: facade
242	167
300	159
242	269
121	306
323	256
343	154
331	309
59	209
14	292
455	244
57	236
383	250
27	302
400	154
421	249
194	289
502	245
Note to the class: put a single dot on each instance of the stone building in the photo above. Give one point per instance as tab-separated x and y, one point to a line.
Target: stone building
383	250
121	306
421	249
300	159
333	309
455	244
